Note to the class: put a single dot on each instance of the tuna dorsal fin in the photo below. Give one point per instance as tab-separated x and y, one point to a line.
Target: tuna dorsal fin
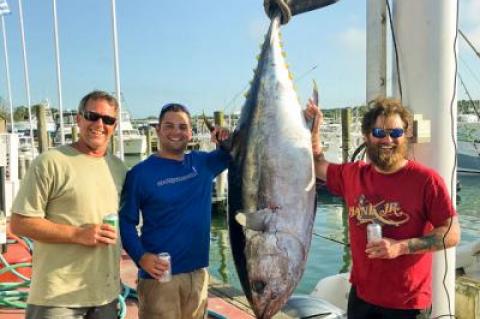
315	93
315	100
255	221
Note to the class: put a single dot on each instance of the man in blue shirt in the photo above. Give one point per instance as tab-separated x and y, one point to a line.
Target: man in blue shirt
172	190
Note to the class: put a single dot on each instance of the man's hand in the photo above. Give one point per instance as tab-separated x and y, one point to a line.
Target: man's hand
95	235
153	265
219	134
46	231
386	248
313	112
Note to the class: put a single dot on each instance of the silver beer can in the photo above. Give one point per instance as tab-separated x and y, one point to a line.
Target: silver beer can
111	219
374	232
167	275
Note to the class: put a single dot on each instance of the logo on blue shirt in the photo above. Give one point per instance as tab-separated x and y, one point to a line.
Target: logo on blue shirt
174	180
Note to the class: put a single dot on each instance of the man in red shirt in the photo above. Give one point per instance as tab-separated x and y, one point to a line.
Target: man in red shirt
391	276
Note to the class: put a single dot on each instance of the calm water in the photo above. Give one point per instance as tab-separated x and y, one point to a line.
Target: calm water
328	255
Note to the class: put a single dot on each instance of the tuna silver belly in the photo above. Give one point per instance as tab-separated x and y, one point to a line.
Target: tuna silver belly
271	185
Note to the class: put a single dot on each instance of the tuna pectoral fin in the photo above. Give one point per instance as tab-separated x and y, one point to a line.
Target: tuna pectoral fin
255	221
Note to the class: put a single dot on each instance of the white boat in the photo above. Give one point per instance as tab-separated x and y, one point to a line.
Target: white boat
134	143
468	143
69	121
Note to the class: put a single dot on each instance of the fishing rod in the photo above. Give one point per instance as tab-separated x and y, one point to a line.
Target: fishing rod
332	239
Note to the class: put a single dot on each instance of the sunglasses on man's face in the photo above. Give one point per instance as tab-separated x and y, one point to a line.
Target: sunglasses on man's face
94	116
381	133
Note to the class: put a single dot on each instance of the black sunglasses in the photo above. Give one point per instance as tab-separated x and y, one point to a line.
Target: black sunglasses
381	133
94	116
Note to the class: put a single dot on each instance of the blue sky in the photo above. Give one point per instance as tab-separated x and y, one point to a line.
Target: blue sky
200	53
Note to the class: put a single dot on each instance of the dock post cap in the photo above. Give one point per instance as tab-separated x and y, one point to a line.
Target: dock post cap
289	8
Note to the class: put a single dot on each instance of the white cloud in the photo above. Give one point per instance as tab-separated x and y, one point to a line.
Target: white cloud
353	40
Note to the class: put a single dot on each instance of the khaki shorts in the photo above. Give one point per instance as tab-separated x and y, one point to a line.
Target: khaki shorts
184	297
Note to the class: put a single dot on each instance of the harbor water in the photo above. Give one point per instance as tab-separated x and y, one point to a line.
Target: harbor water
329	253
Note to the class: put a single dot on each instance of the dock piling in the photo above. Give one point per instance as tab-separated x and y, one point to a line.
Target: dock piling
42	128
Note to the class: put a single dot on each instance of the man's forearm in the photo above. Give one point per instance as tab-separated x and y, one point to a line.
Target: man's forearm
43	230
442	237
321	165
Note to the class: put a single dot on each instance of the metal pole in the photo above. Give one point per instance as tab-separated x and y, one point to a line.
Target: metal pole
7	71
117	78
59	77
25	68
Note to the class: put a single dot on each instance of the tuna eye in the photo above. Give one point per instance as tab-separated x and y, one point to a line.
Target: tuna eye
259	286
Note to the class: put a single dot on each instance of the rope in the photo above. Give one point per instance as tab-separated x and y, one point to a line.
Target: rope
10	295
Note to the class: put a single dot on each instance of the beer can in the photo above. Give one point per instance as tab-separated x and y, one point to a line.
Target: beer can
374	232
111	219
167	275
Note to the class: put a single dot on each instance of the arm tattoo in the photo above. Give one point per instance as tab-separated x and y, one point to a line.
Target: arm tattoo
427	243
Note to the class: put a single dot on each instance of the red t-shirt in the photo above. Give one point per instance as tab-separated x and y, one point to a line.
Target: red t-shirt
408	204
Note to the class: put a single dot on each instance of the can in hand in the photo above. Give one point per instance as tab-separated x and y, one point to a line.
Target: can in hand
111	219
374	232
167	275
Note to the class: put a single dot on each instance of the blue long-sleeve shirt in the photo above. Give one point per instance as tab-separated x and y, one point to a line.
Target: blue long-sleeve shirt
174	200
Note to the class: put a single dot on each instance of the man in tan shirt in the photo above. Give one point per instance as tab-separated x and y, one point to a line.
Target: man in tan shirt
60	205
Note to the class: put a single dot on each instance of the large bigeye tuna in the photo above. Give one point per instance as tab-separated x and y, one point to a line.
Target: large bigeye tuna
271	185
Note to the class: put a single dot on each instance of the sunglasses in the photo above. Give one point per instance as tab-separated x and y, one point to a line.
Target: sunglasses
381	133
94	116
